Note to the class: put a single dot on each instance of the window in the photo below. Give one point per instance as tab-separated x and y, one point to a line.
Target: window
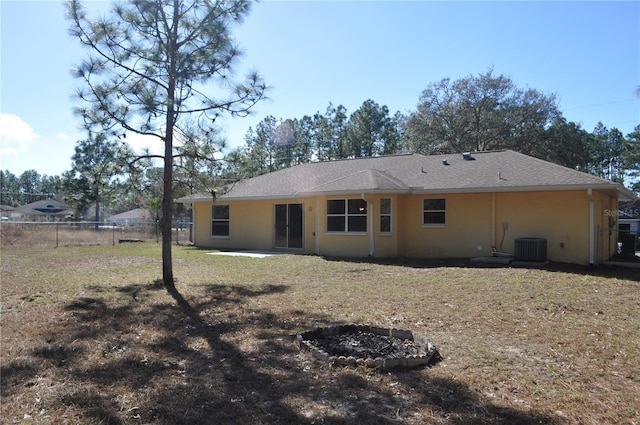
385	215
433	212
348	215
220	220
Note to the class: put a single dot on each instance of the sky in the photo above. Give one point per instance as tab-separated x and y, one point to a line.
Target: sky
313	53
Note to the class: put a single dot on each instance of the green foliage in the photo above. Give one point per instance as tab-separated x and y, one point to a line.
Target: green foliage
371	131
151	59
477	113
148	73
29	187
607	153
564	143
277	144
631	160
99	167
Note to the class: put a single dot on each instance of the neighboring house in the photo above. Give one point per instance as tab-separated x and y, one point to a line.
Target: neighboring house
7	212
629	217
131	218
44	210
441	206
629	227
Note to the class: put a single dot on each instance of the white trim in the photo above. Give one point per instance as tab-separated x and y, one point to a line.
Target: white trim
417	190
591	224
370	208
494	238
316	234
422	211
228	220
346	216
346	233
390	215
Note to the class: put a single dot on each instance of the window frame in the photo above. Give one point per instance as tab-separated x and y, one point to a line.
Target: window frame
347	214
438	211
226	220
388	216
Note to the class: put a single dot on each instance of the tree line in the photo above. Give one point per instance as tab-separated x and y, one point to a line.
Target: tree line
474	113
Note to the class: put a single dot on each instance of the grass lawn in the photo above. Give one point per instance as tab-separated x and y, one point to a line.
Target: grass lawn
88	338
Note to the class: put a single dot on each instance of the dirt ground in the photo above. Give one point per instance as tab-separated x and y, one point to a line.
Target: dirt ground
89	337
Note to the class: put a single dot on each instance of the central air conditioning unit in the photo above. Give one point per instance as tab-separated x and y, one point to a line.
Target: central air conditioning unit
530	249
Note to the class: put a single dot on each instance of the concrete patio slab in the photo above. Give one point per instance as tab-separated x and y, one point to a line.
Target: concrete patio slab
252	254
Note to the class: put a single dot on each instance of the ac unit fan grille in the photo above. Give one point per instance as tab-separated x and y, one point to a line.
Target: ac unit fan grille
530	249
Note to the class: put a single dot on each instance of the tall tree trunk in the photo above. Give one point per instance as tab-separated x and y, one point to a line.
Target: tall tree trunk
167	202
167	194
97	208
167	264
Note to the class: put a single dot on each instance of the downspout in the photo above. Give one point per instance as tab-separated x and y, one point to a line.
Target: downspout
192	225
371	222
494	248
591	224
316	234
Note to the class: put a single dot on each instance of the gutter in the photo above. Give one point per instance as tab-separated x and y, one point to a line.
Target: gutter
591	224
493	221
316	239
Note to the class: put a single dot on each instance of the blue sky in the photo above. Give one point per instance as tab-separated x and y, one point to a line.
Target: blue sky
313	53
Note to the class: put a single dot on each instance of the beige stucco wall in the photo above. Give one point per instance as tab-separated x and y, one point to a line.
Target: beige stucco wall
473	226
605	226
336	244
466	233
358	245
560	217
251	225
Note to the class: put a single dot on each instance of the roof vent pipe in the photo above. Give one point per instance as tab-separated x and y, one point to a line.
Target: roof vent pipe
467	156
445	162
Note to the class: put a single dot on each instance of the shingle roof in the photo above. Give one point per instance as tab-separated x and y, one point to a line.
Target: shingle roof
493	171
629	211
137	214
45	207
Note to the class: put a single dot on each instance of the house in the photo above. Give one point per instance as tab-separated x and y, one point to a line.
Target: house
629	226
440	206
629	217
44	210
133	217
7	212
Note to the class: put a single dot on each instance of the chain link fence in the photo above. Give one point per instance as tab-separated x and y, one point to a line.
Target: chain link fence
56	234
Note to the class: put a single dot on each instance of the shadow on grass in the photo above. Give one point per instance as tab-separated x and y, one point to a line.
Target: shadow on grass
620	272
207	360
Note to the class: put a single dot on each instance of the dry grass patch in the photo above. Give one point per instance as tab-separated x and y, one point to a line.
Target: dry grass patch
88	337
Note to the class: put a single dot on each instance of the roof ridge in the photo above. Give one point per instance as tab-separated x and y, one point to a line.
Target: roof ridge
389	177
503	170
362	158
553	164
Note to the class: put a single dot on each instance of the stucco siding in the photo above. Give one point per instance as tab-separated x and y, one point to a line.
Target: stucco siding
606	226
202	226
561	217
339	244
250	225
473	226
385	244
465	233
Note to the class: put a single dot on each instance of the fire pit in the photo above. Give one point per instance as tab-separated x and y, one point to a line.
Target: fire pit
369	346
